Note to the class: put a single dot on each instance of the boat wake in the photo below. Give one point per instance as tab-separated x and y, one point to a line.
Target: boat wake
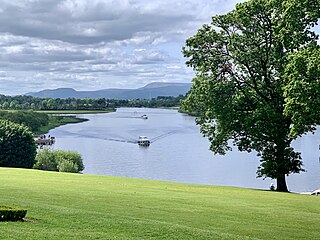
120	139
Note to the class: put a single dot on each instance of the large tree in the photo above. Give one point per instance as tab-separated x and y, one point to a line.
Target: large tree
257	81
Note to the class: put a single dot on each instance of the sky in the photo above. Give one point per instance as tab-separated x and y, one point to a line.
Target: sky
98	44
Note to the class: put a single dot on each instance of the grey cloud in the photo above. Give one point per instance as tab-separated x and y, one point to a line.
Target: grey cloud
84	22
94	44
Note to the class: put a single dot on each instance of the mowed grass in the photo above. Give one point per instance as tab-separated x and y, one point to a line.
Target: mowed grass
77	206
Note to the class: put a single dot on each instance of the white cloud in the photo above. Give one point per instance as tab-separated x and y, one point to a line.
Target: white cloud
94	44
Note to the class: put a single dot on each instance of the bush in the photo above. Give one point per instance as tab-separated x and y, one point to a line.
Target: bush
17	146
68	166
46	160
63	157
12	214
59	160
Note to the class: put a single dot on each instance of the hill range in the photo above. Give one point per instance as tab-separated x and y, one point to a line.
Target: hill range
149	91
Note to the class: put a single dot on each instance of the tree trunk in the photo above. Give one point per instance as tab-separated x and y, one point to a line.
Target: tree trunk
280	157
282	184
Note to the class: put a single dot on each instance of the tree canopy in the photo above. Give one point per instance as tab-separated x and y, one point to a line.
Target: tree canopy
17	146
257	81
33	120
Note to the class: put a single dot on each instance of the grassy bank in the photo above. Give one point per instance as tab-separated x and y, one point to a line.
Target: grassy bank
76	111
56	121
75	206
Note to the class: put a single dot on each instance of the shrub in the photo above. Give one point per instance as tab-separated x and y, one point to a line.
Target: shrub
59	160
11	214
68	166
70	156
17	146
46	160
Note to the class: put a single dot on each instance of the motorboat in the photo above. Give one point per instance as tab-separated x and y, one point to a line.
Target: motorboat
144	116
316	192
143	141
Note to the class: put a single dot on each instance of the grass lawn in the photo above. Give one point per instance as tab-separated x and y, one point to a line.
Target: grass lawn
76	206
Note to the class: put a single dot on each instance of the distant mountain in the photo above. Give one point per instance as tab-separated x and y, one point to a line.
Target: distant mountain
151	90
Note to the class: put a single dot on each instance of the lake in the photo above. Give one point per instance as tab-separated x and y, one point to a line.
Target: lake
178	152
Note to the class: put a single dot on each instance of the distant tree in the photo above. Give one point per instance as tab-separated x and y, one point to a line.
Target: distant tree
258	81
5	105
17	146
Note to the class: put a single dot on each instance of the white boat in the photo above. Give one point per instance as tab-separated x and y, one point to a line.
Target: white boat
143	141
316	192
144	116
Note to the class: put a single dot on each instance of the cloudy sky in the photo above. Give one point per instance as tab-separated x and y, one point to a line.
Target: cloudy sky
97	44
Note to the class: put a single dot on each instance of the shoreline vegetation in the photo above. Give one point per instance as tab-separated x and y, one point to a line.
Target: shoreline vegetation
76	111
105	207
43	114
57	121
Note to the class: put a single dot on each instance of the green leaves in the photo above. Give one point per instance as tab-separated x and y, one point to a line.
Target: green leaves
302	89
257	80
17	146
59	160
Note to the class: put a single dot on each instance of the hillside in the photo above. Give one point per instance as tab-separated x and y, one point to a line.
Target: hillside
80	206
151	90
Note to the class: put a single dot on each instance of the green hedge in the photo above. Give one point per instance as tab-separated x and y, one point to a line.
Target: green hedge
12	214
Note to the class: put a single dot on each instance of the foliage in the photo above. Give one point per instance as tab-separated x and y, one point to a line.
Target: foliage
17	146
12	214
34	103
39	122
68	166
160	101
74	206
87	104
46	160
68	160
59	160
56	121
251	65
72	112
33	120
303	90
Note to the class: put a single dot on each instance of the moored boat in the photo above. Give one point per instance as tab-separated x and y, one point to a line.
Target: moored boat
43	140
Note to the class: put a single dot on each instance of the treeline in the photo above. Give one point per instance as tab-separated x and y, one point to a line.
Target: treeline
33	120
160	101
34	103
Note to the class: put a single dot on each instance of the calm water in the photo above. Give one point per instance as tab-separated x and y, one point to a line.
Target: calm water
178	152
